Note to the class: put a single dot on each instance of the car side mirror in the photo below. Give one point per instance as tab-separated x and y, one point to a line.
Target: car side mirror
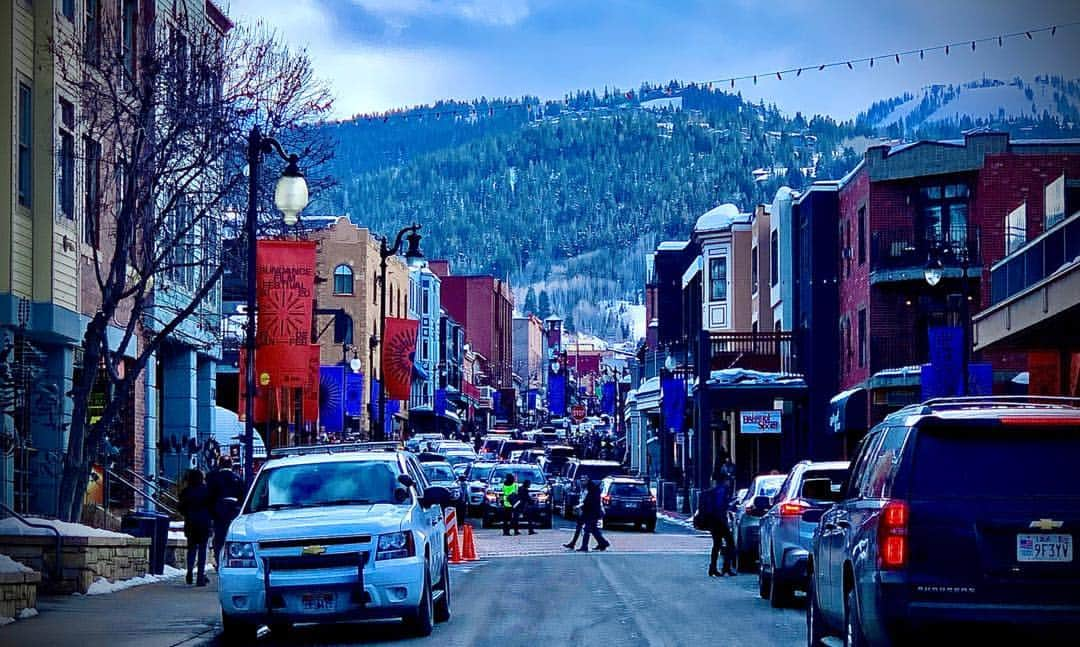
762	503
435	495
462	478
406	480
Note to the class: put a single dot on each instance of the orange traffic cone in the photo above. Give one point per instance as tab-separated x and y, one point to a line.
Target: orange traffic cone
455	548
469	548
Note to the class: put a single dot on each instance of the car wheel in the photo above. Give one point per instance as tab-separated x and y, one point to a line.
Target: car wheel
421	622
815	631
442	605
650	526
764	582
280	629
853	636
781	593
745	561
237	631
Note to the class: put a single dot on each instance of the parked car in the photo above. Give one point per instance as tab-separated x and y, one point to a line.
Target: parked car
476	479
960	515
447	446
747	517
441	473
424	442
340	533
531	456
788	527
556	457
489	450
628	500
566	490
510	446
456	457
539	492
734	504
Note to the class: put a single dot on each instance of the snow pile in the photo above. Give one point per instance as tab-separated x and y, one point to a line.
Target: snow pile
665	103
717	218
27	613
8	565
14	527
743	376
102	586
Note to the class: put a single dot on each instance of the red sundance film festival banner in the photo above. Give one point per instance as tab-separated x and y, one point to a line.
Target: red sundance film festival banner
311	389
285	281
398	352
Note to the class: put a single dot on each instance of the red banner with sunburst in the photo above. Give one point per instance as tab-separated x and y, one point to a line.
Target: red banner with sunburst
398	353
285	283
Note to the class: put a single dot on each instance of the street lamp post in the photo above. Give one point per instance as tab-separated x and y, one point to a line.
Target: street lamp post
414	257
290	197
933	273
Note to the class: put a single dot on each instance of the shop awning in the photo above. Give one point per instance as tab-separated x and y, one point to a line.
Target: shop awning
847	411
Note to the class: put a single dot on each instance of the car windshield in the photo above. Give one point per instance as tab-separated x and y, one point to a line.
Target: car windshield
513	446
768	486
321	484
628	489
438	471
522	473
1016	463
454	459
479	472
597	472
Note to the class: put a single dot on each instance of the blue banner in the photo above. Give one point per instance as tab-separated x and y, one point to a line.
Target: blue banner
607	398
373	406
673	404
332	398
532	399
354	393
440	402
946	358
392	407
557	395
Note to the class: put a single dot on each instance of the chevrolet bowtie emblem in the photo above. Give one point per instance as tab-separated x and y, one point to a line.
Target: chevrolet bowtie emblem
314	550
1046	524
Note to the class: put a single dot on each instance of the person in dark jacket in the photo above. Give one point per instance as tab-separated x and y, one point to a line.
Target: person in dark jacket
226	492
195	506
523	506
580	524
713	512
591	513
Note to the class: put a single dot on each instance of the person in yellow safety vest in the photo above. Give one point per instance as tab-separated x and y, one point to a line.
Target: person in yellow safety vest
509	494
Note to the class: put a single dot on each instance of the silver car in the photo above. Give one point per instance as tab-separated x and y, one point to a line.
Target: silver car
787	529
476	478
746	524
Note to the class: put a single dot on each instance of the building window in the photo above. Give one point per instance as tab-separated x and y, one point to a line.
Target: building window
91	184
425	299
343	279
718	278
945	212
127	36
862	337
67	7
65	177
1016	229
26	131
1054	203
93	31
754	269
774	257
862	235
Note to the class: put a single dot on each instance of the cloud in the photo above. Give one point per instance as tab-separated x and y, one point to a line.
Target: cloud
495	13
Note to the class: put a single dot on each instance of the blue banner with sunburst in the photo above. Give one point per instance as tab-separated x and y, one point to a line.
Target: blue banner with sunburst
332	398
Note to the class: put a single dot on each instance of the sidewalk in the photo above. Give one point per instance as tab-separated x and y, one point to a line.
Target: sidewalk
164	614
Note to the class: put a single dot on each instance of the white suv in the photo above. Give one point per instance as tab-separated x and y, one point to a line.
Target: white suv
337	532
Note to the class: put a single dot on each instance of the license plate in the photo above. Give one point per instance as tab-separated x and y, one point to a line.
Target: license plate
1032	547
318	601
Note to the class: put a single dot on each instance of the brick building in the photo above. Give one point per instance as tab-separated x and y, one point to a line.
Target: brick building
485	307
939	203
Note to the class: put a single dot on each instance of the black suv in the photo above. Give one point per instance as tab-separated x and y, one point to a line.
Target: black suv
958	511
566	491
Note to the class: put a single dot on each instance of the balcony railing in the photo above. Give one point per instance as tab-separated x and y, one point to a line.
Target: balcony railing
909	248
1036	260
760	351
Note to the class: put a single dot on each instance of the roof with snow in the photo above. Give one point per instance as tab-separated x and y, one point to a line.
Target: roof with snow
748	377
672	245
716	218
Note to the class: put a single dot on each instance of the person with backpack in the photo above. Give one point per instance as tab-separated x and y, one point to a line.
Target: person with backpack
226	492
712	516
591	513
523	507
195	506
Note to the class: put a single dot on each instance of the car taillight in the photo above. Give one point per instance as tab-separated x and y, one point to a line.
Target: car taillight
748	508
793	508
652	499
606	499
892	535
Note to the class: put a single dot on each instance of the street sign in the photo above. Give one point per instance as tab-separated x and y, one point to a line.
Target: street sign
759	422
578	412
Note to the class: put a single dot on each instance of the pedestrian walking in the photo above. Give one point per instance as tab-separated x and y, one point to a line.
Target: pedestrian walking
509	490
580	523
712	516
523	507
591	513
195	506
226	492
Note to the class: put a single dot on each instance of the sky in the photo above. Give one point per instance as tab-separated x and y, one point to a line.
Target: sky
378	55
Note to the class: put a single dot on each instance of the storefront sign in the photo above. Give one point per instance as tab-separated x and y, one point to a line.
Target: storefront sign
759	422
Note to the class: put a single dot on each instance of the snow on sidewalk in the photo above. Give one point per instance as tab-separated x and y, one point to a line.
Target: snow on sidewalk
101	586
678	520
13	527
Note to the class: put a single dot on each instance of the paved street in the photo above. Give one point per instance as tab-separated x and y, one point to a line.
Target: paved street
647	589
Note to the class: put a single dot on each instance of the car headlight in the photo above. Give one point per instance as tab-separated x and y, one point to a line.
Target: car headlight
239	555
491	497
542	497
395	545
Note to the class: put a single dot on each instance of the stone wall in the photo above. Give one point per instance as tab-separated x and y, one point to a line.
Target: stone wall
176	553
85	559
18	591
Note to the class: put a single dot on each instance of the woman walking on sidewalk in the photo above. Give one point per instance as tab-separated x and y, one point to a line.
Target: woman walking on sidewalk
195	505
